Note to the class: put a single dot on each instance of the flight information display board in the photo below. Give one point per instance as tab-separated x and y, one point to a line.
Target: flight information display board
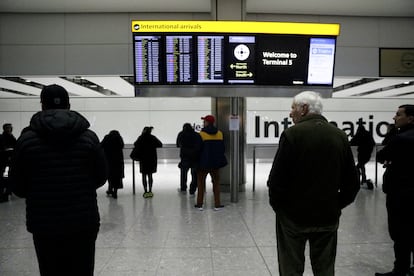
210	63
203	53
179	59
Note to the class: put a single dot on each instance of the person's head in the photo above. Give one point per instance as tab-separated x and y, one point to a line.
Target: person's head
147	130
114	133
187	127
404	115
208	120
305	103
7	128
54	97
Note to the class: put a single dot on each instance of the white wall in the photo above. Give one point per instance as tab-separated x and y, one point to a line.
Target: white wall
359	40
167	115
374	114
101	43
127	115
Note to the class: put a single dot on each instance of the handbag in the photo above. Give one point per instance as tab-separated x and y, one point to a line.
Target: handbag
135	154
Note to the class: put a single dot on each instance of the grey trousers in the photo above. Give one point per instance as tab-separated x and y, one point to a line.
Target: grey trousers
291	243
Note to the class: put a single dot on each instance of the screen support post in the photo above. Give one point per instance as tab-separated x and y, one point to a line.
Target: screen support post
230	117
234	128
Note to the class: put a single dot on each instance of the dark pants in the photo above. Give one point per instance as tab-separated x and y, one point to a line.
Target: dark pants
5	189
114	183
361	172
4	186
291	243
363	159
147	182
201	181
400	209
69	254
184	178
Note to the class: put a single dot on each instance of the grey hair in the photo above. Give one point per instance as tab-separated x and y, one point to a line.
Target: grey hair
312	99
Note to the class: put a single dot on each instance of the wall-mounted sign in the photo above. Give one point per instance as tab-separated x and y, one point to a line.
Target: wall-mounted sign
396	62
229	53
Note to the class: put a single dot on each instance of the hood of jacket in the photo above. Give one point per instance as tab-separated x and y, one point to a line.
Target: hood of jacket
210	129
58	126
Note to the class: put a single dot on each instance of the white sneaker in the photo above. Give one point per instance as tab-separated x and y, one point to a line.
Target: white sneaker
218	208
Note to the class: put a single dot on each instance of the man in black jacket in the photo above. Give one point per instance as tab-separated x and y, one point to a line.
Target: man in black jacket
398	185
189	142
365	142
312	179
57	166
7	144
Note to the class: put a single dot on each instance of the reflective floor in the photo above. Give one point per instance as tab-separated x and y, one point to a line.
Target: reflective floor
166	235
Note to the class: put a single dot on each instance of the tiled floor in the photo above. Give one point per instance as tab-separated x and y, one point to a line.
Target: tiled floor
166	235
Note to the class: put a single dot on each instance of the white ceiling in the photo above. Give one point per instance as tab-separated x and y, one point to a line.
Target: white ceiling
334	7
344	87
399	8
87	6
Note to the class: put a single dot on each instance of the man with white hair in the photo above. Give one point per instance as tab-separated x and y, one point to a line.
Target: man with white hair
312	178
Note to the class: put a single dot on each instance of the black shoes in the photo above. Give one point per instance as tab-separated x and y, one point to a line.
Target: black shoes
112	193
370	185
199	207
4	198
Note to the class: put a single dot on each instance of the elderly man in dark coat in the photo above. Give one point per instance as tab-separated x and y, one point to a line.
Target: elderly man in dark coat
312	179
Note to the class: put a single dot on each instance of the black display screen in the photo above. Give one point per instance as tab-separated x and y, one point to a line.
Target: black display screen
282	59
210	59
179	59
233	59
147	61
241	60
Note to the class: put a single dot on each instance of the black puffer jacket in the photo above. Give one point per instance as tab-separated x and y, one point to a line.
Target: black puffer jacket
398	157
57	166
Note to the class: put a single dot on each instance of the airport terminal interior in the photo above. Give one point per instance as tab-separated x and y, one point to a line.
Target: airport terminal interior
89	48
166	235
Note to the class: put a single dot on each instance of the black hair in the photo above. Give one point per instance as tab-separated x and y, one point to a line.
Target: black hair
408	108
6	125
187	127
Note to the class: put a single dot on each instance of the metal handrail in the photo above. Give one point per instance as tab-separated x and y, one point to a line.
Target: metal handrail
377	148
254	162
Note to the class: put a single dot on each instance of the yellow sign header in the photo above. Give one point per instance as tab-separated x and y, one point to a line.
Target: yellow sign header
235	27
